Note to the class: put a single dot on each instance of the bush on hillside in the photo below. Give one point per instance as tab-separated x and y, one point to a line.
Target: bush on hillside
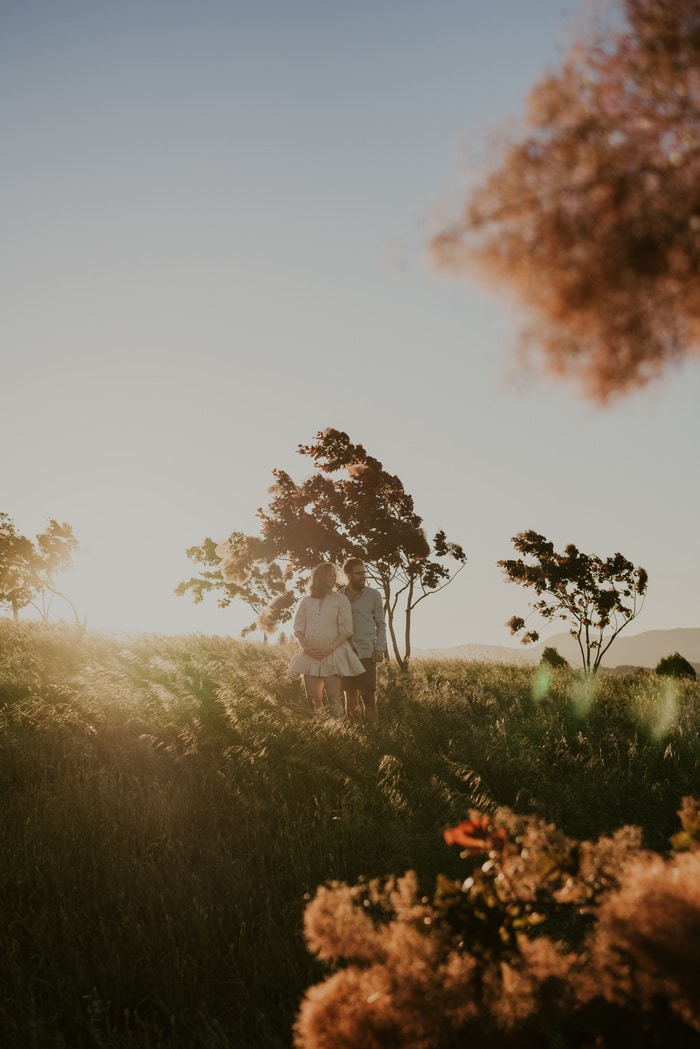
675	665
553	658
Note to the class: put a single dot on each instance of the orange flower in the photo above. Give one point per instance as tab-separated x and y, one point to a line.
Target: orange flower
476	835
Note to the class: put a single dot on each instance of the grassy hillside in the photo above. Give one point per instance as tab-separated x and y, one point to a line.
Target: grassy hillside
169	806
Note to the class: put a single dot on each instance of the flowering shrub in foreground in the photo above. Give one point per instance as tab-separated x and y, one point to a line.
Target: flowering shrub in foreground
548	942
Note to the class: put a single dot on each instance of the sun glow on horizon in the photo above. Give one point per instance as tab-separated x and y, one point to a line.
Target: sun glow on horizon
129	586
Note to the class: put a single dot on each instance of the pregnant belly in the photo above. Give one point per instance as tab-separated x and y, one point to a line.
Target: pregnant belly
319	640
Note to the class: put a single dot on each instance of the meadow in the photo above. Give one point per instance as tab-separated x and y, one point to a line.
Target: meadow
170	806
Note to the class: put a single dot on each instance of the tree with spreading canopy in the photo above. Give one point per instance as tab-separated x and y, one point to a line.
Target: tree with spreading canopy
590	214
237	568
350	507
598	597
28	567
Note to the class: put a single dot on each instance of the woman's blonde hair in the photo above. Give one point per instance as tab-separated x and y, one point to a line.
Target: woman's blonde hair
318	586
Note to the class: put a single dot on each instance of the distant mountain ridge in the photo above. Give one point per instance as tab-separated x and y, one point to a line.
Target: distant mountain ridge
635	650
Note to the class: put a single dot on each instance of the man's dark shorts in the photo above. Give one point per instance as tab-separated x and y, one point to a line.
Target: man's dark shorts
366	682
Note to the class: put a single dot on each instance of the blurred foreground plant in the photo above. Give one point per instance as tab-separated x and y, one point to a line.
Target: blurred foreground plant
589	210
547	942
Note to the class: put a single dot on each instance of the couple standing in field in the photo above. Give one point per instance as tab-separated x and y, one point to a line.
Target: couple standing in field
342	637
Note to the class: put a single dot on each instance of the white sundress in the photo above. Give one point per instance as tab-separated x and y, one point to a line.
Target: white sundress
319	621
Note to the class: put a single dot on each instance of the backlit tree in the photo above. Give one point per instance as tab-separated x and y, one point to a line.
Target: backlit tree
599	598
591	214
350	506
28	567
238	569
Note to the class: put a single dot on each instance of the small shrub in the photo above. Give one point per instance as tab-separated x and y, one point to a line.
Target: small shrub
553	658
675	665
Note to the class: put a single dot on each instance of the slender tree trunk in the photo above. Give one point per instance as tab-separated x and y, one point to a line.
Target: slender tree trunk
407	634
68	601
394	643
392	631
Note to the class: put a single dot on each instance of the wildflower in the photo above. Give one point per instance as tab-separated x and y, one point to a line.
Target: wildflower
477	835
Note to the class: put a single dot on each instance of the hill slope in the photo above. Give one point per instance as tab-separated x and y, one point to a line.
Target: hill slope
640	650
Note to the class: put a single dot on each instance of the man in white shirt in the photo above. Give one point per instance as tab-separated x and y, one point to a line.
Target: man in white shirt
368	640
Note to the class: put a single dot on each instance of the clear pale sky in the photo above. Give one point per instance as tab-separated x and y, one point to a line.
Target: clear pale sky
215	228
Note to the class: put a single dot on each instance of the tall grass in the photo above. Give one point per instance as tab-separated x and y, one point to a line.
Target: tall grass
169	806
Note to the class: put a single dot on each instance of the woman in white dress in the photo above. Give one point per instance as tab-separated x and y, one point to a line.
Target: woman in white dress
323	628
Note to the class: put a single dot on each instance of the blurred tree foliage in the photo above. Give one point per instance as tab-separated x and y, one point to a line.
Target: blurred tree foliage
591	214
